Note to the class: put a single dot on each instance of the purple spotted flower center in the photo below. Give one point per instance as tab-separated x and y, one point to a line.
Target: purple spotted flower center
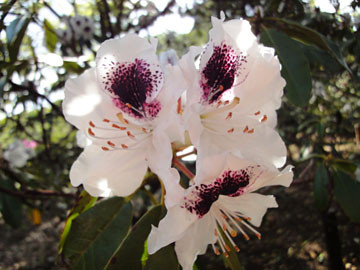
220	72
132	83
231	183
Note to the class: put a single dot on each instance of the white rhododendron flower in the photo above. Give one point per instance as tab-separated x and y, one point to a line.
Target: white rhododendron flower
233	95
19	152
222	196
127	106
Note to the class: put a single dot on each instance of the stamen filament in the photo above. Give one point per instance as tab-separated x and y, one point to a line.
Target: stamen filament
235	102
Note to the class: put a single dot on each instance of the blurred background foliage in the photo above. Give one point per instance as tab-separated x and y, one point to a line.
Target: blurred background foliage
319	119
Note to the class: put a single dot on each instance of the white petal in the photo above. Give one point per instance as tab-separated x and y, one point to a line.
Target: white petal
126	50
195	241
107	173
209	168
273	178
171	228
251	205
85	101
254	92
263	146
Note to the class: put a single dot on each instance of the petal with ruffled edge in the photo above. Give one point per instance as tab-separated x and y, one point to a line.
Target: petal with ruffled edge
109	173
250	205
195	241
171	228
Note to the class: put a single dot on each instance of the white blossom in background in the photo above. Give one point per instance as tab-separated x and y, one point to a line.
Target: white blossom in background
222	196
19	152
124	105
64	35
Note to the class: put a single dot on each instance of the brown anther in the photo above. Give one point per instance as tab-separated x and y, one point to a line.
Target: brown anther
217	252
91	132
251	131
257	113
227	248
218	104
226	255
111	144
105	148
106	120
231	130
224	227
233	233
128	105
221	88
246	129
144	130
258	235
117	126
226	102
229	116
91	124
246	236
237	248
215	233
130	134
178	108
124	146
238	219
264	118
247	218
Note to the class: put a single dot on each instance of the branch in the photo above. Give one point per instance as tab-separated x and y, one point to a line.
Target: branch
35	193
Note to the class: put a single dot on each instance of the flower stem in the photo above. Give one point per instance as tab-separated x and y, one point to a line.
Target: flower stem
163	192
178	164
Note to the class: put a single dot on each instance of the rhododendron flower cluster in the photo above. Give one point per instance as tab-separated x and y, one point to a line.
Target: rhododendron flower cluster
137	109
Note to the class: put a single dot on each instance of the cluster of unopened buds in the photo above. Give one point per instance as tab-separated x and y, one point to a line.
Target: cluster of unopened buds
77	28
221	98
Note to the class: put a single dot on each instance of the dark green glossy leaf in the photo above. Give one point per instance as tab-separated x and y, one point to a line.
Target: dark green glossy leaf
83	203
50	36
2	84
15	34
96	233
321	192
165	258
11	206
347	193
295	66
129	253
310	36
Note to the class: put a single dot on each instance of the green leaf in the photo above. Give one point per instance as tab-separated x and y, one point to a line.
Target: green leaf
347	193
295	66
129	253
73	67
83	203
165	258
15	34
50	36
310	36
2	84
321	193
346	166
233	260
11	206
96	233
